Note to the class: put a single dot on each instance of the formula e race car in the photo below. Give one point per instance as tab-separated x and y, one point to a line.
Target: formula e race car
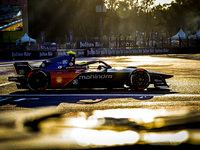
63	72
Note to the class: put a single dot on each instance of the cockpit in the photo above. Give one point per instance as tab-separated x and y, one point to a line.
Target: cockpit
95	66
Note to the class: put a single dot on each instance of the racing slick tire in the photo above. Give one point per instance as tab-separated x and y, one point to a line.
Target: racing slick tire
139	79
37	80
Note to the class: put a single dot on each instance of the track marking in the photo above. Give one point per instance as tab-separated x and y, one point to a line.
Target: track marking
5	84
4	65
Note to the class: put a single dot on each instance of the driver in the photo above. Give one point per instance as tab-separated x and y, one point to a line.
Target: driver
101	68
84	64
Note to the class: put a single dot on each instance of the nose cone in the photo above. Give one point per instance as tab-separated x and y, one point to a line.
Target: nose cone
165	76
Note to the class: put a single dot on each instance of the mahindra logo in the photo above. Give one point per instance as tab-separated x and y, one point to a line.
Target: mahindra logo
88	77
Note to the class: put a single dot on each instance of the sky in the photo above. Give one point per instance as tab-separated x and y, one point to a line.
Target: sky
162	1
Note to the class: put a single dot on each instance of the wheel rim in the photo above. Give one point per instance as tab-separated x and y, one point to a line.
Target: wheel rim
139	79
37	80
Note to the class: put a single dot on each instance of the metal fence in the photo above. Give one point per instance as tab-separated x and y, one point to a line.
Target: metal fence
129	42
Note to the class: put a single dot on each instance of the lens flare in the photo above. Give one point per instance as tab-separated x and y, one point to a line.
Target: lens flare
86	137
173	138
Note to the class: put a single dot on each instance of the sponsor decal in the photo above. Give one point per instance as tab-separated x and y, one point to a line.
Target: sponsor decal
75	82
13	79
86	44
59	67
59	79
27	54
22	65
49	47
157	80
83	44
71	64
20	54
88	77
45	54
61	53
64	62
21	72
43	65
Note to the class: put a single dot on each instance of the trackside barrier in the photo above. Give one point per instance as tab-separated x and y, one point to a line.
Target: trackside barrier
101	52
120	52
92	52
26	55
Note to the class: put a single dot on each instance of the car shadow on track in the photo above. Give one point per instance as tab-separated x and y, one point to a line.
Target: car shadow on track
28	99
95	91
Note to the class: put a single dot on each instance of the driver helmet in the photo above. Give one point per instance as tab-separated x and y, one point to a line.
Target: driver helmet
99	67
84	64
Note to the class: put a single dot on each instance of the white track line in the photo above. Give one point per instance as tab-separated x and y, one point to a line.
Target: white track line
4	65
5	84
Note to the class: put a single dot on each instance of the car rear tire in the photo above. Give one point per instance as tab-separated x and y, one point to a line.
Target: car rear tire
139	79
37	80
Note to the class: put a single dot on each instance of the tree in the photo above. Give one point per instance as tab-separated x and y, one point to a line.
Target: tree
57	17
146	7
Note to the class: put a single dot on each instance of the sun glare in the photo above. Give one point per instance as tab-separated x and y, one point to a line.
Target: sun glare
161	2
157	2
91	131
173	138
87	137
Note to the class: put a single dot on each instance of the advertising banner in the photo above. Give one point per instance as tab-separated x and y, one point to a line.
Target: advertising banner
23	55
92	44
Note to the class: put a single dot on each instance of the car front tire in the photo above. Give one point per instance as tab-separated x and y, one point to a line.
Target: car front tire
139	79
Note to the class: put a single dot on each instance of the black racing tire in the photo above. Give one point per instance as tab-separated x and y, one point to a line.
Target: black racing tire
37	80
139	79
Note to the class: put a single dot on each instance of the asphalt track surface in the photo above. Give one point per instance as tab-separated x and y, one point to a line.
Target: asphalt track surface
184	86
178	105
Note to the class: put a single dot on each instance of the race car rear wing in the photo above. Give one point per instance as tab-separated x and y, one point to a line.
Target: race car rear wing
22	68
